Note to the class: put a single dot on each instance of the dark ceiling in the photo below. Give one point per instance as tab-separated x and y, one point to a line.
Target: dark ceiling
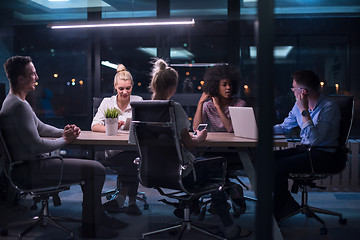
27	11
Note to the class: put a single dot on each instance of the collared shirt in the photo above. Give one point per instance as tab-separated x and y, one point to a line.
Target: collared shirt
211	115
321	130
111	102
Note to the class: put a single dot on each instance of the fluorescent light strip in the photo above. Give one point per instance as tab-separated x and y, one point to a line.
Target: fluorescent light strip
193	64
102	24
109	64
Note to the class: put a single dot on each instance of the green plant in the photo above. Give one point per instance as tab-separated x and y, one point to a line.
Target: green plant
112	113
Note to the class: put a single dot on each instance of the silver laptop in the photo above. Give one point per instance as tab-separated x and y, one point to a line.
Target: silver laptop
243	122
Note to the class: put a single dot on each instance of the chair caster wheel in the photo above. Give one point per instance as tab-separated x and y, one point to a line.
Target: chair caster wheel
146	206
323	231
343	221
4	232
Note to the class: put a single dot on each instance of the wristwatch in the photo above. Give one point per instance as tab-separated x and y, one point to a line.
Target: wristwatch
305	113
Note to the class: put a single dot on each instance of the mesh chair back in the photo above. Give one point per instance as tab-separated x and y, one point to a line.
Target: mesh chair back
96	103
5	159
158	144
346	105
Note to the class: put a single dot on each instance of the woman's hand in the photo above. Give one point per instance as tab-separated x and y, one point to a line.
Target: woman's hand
120	123
190	142
201	135
204	97
198	114
216	102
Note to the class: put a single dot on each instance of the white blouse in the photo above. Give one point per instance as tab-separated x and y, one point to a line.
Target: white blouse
110	102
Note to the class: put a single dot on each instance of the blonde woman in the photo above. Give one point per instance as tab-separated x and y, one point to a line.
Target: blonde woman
122	162
163	86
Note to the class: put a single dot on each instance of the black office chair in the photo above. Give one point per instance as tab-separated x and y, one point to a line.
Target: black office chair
161	164
100	155
307	180
40	194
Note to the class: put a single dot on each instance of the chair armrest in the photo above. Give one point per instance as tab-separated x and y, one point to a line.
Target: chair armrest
221	165
61	167
344	148
337	148
213	159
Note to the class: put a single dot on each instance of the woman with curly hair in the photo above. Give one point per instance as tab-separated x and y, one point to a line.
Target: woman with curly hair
220	86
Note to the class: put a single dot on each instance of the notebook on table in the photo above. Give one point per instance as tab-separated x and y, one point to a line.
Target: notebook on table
243	122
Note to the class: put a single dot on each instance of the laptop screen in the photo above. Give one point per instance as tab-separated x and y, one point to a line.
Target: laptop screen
243	122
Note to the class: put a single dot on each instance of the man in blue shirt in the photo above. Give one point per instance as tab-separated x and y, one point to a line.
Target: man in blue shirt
318	118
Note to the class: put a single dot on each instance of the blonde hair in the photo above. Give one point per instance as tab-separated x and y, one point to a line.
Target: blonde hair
122	74
163	77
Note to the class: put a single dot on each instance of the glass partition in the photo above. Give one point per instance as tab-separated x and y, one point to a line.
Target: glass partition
60	58
321	36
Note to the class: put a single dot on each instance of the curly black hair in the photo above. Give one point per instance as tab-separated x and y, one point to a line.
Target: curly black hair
218	72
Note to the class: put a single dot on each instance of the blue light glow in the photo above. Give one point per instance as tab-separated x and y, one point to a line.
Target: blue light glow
279	51
175	53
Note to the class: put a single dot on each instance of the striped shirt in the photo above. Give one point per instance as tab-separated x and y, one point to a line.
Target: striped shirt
211	116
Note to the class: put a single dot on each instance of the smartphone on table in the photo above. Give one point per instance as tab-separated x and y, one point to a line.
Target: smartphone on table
201	127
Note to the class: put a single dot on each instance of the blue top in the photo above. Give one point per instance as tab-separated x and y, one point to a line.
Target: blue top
322	130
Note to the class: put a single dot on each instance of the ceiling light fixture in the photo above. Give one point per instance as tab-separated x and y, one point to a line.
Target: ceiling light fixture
109	64
123	23
194	64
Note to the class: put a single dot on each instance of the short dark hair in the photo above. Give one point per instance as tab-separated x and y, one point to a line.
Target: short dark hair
308	79
214	74
15	67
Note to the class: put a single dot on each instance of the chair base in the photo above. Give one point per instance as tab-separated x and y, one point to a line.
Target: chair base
42	220
244	186
185	226
311	212
110	195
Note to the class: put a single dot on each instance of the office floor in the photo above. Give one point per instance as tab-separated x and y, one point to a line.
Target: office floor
159	215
